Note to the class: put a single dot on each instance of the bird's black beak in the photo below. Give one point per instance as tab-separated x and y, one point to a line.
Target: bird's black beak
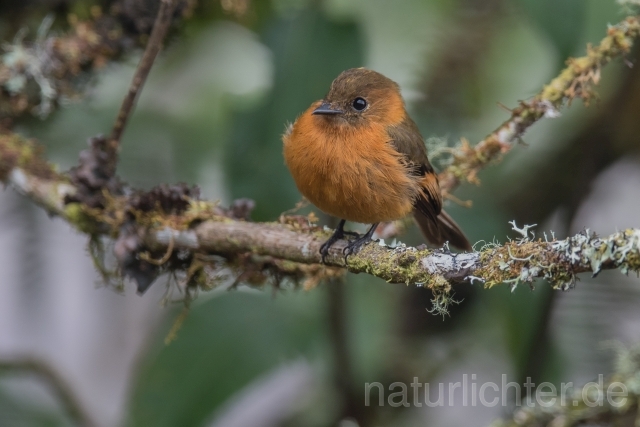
327	110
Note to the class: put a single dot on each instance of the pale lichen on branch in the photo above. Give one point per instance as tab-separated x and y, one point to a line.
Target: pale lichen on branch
171	219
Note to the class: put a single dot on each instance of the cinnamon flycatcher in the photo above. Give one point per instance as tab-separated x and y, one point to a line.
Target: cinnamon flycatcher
357	155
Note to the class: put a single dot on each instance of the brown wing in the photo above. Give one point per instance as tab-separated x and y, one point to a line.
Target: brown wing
406	139
436	225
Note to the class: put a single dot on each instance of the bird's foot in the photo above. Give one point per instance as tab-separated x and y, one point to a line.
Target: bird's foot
353	246
338	234
324	249
357	244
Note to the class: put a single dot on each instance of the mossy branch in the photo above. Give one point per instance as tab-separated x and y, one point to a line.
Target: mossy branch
22	167
169	229
37	76
202	229
518	261
574	82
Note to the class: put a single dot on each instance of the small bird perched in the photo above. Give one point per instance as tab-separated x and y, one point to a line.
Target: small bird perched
357	155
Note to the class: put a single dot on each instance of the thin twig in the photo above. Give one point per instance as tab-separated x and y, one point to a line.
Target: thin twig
59	386
160	29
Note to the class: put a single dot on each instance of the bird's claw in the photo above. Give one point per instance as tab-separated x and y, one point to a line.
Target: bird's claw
354	246
324	249
338	234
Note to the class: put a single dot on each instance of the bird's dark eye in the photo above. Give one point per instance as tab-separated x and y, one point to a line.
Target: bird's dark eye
359	104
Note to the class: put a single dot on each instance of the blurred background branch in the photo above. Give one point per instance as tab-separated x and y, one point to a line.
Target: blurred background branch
587	404
574	82
59	387
37	76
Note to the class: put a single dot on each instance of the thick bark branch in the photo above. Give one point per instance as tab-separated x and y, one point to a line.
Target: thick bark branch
517	261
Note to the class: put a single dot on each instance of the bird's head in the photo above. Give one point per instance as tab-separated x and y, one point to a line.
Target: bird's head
358	96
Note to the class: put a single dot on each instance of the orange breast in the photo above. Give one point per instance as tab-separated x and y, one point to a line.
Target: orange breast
349	172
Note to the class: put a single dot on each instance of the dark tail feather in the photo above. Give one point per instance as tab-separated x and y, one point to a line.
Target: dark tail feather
444	230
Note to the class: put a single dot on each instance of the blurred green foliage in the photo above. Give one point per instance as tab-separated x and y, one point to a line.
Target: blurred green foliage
561	21
309	51
15	412
225	343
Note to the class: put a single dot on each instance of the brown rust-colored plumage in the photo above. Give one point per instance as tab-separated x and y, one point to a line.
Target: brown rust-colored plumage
357	155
